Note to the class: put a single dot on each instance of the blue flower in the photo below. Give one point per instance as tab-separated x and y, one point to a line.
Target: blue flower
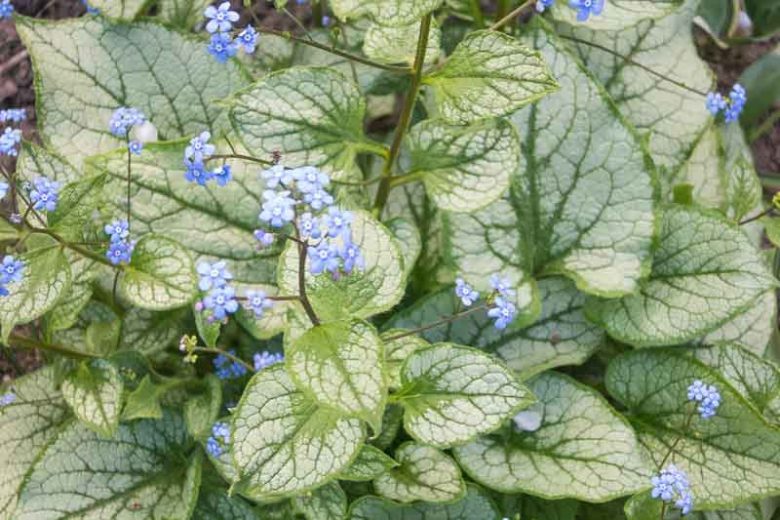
45	194
10	138
7	399
12	270
324	257
503	312
220	18
309	226
715	103
465	292
120	252
352	257
502	286
707	396
225	368
195	171
222	175
338	223
318	199
264	237
199	147
585	8
213	447
671	484
277	175
543	5
737	100
310	179
15	115
221	431
3	189
6	10
135	147
247	39
222	47
118	230
213	275
258	302
278	208
266	359
123	119
221	301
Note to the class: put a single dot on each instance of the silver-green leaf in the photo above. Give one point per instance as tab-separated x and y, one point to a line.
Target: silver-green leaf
94	393
475	504
583	449
398	44
424	473
389	12
328	502
369	464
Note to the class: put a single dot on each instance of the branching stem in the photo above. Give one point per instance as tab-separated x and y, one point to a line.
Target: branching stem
441	321
218	352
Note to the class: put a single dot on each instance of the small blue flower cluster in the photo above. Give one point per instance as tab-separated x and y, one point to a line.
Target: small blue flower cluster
122	121
266	359
465	292
90	10
225	368
707	396
303	192
501	308
7	399
12	271
220	300
120	248
220	438
13	115
6	10
543	5
671	484
731	107
3	189
586	8
44	194
220	24
195	156
9	140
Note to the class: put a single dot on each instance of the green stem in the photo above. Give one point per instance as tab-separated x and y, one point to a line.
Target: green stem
80	250
239	156
476	13
635	63
505	19
57	349
302	284
225	353
333	50
406	115
441	321
766	126
764	213
678	439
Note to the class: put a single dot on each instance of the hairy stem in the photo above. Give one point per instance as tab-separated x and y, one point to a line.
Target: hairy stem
678	439
75	247
302	284
505	19
406	114
438	323
764	213
225	353
239	156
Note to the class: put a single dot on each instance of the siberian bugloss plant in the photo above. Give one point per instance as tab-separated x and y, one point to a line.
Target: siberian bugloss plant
537	293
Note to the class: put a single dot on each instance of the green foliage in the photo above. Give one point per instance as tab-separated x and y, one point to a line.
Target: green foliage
575	160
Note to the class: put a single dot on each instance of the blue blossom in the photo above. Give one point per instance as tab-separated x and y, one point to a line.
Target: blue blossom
266	359
258	302
213	275
90	10
45	194
220	18
220	437
247	39
318	199
135	147
278	208
277	175
543	5
324	257
15	115
671	484
222	47
12	270
310	179
265	238
223	174
338	223
7	398
123	119
118	230
195	171
225	368
737	100
352	256
3	189
465	292
213	447
309	226
586	8
326	20
503	312
221	301
9	140
502	286
6	10
707	396
120	252
715	103
199	147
